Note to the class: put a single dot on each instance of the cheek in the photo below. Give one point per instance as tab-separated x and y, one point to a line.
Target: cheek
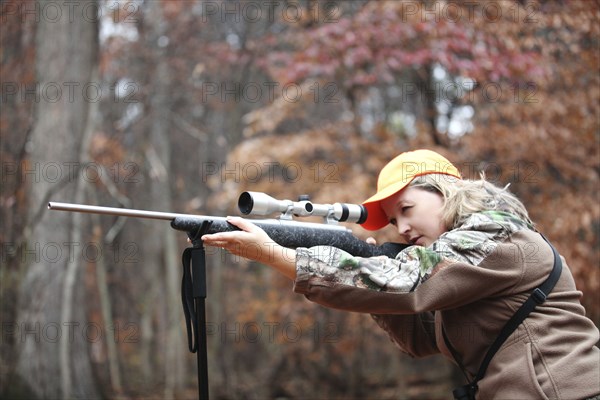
441	228
436	222
441	225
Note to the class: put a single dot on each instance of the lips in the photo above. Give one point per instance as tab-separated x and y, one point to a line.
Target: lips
414	240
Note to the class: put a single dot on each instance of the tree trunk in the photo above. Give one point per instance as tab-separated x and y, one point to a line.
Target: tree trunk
158	155
54	360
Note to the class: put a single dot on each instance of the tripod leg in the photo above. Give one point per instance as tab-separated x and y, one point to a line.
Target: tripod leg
193	294
199	293
201	354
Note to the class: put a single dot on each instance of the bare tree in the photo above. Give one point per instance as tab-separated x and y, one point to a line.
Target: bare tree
163	245
54	358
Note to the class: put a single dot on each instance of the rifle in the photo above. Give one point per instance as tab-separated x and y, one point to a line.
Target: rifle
284	230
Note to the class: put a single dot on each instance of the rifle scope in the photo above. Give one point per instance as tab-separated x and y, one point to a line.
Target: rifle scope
257	203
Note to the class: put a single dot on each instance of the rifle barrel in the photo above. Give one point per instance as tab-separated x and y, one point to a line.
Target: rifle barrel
125	212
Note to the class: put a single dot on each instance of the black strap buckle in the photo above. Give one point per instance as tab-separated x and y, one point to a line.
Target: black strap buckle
466	392
538	296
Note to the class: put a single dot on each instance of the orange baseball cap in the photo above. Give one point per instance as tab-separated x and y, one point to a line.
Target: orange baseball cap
397	174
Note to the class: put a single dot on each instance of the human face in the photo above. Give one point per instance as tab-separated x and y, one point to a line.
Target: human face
417	215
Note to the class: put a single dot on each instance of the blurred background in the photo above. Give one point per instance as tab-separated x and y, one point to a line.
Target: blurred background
182	105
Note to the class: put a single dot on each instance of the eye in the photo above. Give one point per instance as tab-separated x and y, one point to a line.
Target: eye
404	209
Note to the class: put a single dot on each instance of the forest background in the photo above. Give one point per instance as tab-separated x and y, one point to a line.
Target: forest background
182	105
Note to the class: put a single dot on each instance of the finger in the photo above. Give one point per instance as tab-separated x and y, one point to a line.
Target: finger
225	239
216	239
242	223
371	240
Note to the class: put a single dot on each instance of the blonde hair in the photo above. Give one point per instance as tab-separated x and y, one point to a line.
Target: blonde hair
463	197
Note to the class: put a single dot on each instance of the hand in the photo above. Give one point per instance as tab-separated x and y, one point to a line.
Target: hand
249	242
253	243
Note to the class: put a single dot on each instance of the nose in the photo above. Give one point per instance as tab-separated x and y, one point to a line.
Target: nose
403	227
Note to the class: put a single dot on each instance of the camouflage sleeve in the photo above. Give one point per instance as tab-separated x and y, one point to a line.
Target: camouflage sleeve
402	274
469	244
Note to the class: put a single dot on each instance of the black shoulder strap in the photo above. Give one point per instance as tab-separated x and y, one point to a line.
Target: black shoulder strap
538	296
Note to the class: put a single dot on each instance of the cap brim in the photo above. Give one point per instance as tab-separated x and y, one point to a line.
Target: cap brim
376	218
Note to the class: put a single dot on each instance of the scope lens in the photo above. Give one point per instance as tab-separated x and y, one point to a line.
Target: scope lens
363	214
245	203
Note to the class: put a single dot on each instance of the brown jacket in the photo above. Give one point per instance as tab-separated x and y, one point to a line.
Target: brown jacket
552	355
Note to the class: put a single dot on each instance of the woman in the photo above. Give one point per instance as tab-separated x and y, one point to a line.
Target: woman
475	258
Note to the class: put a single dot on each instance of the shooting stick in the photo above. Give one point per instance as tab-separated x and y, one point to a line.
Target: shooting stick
193	297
